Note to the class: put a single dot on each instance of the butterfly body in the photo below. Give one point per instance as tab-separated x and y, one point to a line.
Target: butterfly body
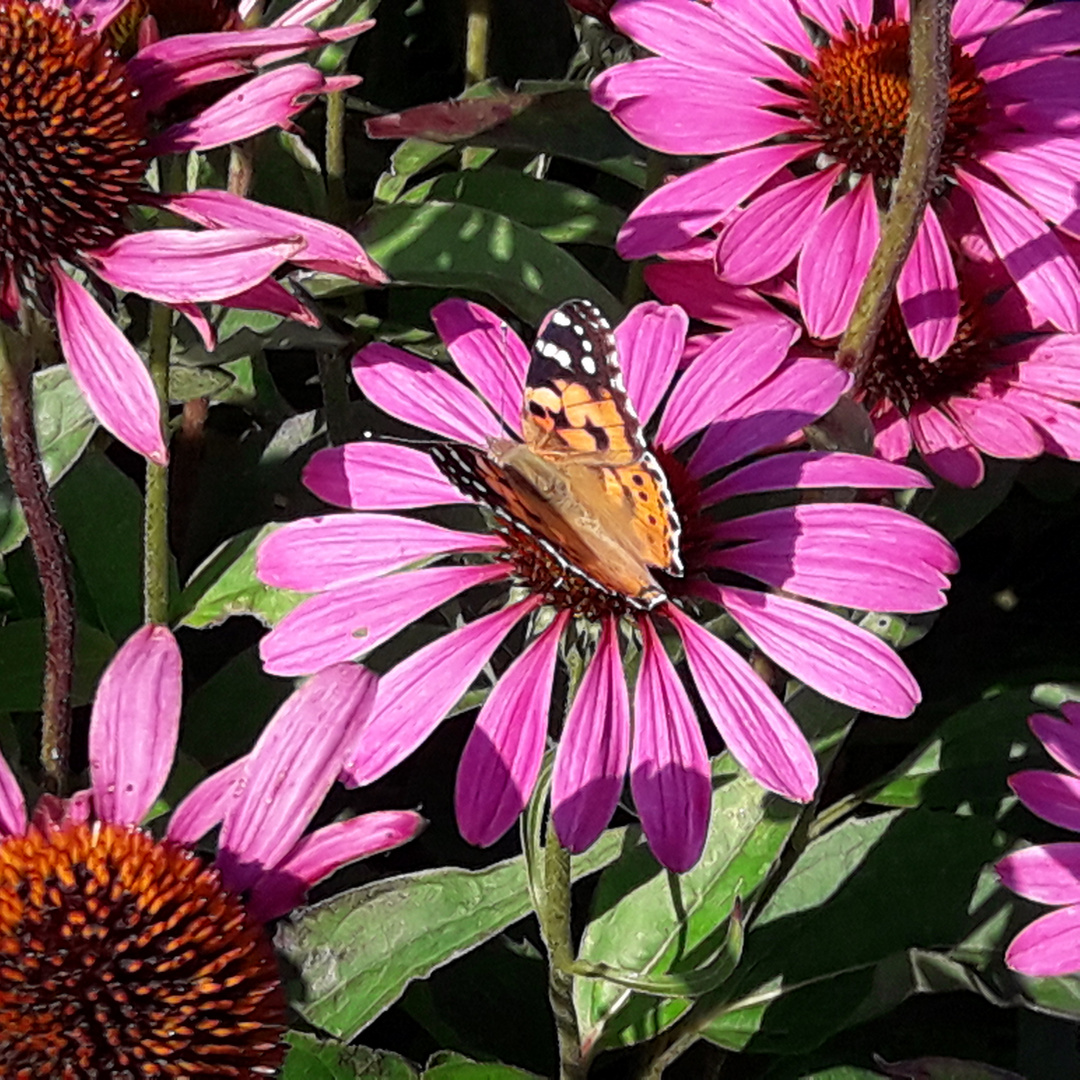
582	483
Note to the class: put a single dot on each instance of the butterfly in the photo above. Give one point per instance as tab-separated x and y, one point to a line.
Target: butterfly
581	482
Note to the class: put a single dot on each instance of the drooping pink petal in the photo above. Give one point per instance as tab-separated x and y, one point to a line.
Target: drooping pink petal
590	763
682	208
828	653
134	725
944	447
13	819
280	788
1041	32
266	101
324	851
802	391
326	247
735	364
694	286
1049	946
669	766
650	342
760	734
415	695
813	468
1034	256
975	18
108	371
270	295
204	806
1050	366
1060	738
835	259
892	433
644	96
416	391
994	427
1042	173
502	758
1058	422
322	552
348	621
378	476
96	14
180	266
1046	873
771	231
1050	795
928	292
488	353
861	556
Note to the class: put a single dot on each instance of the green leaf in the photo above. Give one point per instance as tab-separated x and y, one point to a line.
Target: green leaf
310	1058
466	247
413	156
22	663
226	585
942	1068
357	952
64	426
477	1070
187	382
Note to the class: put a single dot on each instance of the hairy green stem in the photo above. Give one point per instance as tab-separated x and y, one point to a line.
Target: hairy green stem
931	70
156	510
477	40
47	541
335	157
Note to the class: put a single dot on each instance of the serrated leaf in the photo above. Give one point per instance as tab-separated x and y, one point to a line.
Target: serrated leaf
357	952
465	247
311	1058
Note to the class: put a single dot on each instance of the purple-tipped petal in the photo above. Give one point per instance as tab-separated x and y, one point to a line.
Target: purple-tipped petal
503	755
669	766
735	364
1051	796
928	291
414	697
378	476
326	850
650	342
108	371
835	259
1061	738
416	391
12	803
590	763
759	733
1049	946
1048	874
813	468
291	768
134	725
828	653
488	353
321	552
348	621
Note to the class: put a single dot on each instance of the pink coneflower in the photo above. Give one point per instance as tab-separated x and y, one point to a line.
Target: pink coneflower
1003	387
122	954
742	394
805	102
78	135
1049	873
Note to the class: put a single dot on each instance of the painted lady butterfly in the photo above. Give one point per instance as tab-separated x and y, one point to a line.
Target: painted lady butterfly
582	483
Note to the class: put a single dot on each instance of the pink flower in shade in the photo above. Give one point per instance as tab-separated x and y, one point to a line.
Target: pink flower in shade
80	131
804	105
1049	873
372	576
90	901
1004	387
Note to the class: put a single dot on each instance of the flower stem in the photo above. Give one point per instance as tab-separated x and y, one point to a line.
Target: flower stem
156	511
554	916
50	553
477	34
931	71
335	157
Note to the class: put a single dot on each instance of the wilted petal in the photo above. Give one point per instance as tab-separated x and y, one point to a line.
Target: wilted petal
758	731
828	653
649	343
291	768
108	371
414	697
134	725
184	267
669	766
1048	873
349	621
1049	946
12	803
321	552
590	763
501	760
317	856
1051	796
